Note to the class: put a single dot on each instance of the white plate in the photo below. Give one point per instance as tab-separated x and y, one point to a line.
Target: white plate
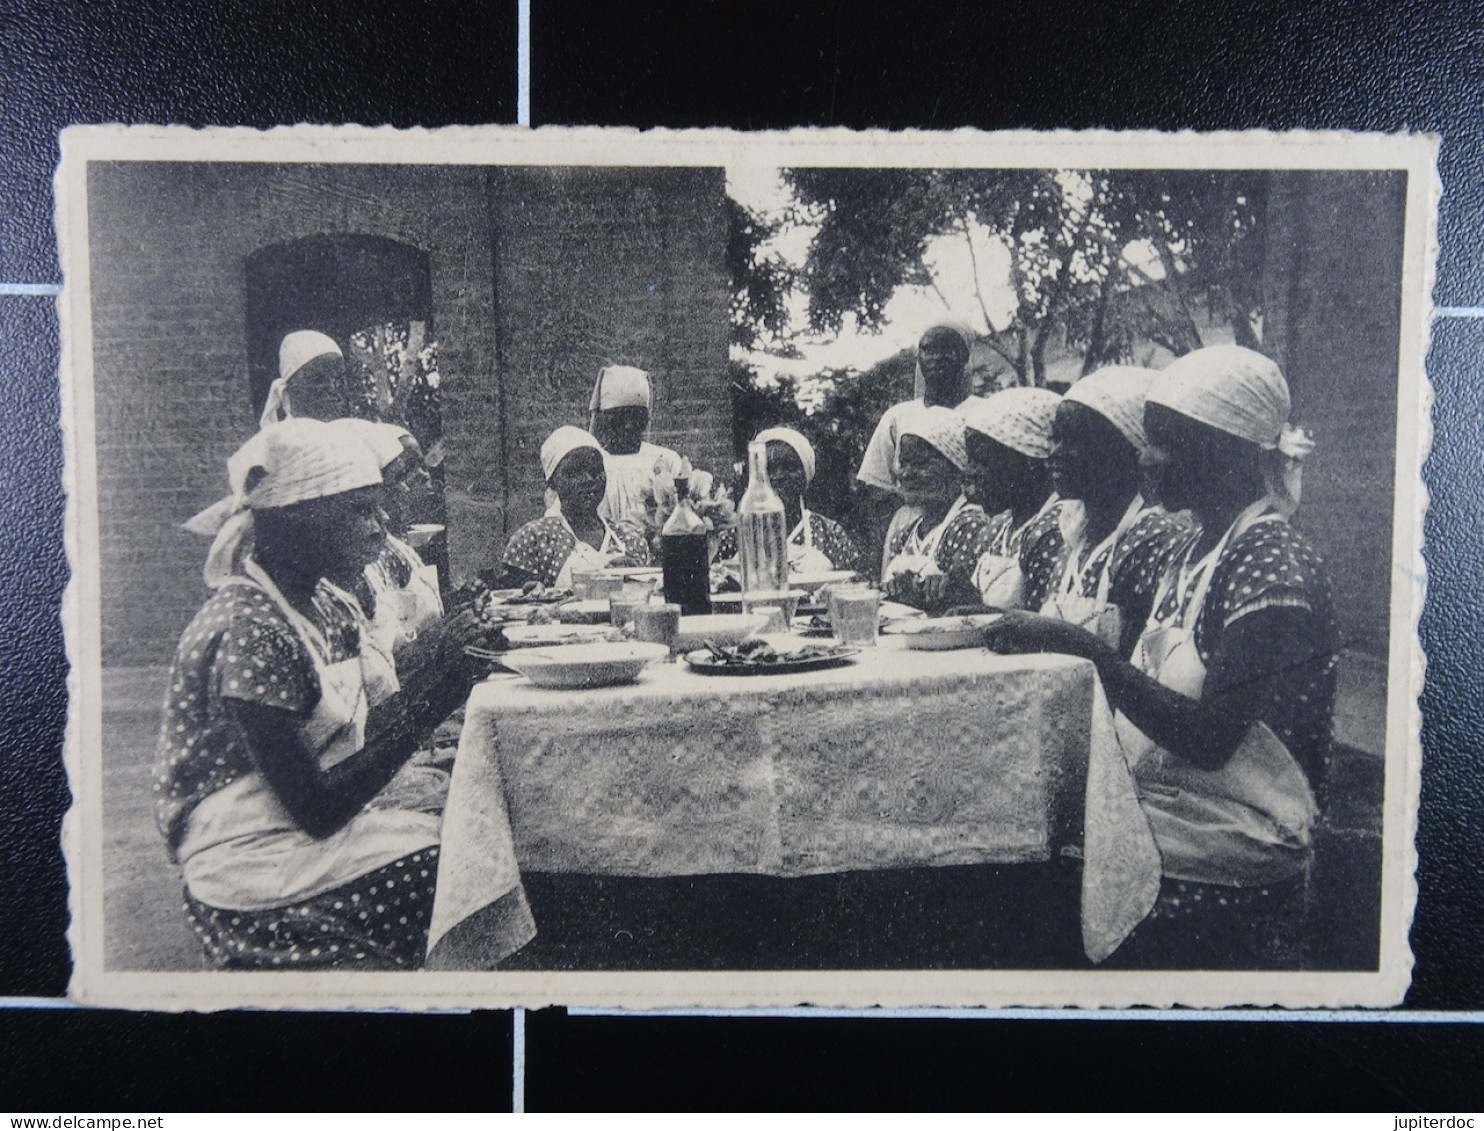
894	611
585	665
939	634
721	630
540	635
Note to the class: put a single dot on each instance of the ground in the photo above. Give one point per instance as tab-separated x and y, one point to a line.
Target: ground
962	917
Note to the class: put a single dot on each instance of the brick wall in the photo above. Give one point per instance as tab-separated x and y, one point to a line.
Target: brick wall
594	265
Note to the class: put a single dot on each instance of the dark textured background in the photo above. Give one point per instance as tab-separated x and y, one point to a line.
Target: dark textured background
1364	65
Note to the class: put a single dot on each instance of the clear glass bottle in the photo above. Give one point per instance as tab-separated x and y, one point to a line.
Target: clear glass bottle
684	555
762	534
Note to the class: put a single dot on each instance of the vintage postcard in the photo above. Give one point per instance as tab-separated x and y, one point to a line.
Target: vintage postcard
681	569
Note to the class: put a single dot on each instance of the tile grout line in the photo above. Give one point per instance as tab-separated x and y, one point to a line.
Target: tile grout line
523	63
518	1063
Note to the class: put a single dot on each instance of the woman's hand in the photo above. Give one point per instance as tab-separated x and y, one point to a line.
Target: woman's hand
1020	632
923	591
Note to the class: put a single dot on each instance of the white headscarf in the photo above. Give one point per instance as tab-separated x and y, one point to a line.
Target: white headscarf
384	440
562	443
798	442
1242	393
941	427
1117	393
292	461
1020	418
919	383
620	386
296	351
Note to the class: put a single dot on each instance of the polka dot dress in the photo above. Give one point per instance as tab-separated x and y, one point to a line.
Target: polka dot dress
1272	565
1138	561
239	646
541	547
964	542
828	536
378	922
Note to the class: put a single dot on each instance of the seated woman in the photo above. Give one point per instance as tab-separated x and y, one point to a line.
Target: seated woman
269	758
937	537
399	591
1098	565
1009	443
312	380
576	536
1225	712
816	544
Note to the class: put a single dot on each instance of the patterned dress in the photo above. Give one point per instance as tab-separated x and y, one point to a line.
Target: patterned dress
958	552
240	646
1271	565
541	547
827	535
1135	564
1211	926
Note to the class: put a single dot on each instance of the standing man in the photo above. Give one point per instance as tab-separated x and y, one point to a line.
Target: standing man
942	380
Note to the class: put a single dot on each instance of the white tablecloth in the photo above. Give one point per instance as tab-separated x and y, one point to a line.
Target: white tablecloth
903	759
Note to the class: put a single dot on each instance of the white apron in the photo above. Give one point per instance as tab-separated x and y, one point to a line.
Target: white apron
1248	823
803	558
631	478
401	613
242	851
998	577
918	555
1067	602
584	556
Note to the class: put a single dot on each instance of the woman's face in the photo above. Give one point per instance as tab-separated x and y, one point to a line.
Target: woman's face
320	390
925	475
580	481
997	475
345	533
786	472
621	430
1088	453
1196	467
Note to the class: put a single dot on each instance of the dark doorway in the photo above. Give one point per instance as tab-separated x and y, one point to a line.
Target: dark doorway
374	296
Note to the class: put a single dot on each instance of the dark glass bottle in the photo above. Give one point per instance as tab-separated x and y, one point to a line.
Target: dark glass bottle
684	556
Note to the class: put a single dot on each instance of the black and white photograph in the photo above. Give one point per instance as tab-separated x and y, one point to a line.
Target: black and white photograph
588	567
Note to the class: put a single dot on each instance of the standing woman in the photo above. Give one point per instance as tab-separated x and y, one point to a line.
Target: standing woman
937	536
1099	564
1225	712
269	757
815	543
1009	444
577	535
619	413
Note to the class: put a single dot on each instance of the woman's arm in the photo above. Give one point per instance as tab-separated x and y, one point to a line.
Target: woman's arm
321	802
1256	662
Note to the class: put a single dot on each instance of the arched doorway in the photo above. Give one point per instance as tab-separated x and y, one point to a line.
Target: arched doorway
373	295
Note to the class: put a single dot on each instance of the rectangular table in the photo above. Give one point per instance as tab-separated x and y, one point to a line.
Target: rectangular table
901	759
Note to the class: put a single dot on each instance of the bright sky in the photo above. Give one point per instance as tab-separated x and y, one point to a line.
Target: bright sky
909	312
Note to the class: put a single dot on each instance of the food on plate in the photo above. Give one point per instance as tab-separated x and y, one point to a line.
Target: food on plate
758	651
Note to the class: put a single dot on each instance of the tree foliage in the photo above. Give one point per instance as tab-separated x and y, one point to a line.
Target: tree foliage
1080	247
